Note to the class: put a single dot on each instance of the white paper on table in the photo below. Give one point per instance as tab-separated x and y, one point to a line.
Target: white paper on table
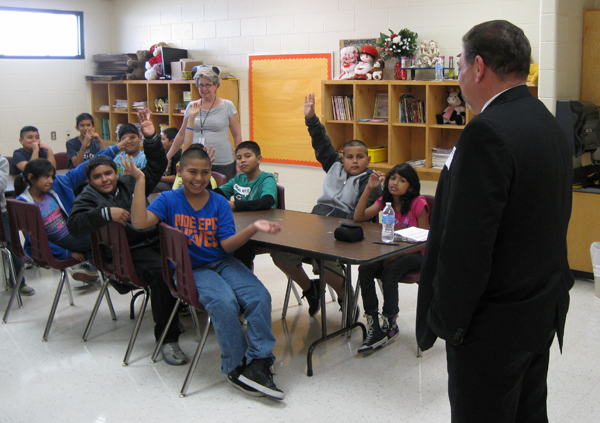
413	234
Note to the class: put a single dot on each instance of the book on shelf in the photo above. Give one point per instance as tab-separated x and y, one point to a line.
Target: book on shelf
120	105
411	110
342	106
105	128
439	157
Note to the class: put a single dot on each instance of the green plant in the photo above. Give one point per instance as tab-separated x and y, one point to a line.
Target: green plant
396	45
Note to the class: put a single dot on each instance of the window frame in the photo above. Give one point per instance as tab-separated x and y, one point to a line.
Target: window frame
81	31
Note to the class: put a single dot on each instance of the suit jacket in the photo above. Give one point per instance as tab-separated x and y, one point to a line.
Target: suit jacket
495	266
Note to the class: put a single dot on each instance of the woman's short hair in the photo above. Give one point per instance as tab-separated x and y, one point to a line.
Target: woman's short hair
209	75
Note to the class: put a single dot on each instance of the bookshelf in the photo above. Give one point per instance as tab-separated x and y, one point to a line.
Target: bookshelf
405	141
106	93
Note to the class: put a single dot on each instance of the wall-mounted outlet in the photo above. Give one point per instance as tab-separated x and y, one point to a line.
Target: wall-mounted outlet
53	135
276	174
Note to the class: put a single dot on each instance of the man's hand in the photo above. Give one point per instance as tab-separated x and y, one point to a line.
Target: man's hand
35	146
267	227
375	179
309	105
87	139
144	116
131	168
119	215
45	147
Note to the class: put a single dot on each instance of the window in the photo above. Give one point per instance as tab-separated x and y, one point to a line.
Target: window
41	34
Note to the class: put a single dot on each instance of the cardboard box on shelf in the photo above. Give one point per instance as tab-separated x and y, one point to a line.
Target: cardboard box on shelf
177	68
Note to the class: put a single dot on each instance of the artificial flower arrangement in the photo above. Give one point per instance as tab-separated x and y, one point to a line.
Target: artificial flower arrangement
396	45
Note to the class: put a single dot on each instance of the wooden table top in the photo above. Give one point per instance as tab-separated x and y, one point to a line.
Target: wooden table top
312	235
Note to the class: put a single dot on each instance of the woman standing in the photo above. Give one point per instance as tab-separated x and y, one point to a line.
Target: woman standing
211	126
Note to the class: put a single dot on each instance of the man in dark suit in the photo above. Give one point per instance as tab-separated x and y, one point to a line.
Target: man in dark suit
495	280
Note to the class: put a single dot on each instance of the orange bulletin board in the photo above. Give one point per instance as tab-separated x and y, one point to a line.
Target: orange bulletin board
278	84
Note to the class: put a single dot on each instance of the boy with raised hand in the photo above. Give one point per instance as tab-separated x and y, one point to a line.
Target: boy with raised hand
343	186
225	286
252	190
87	144
130	133
33	148
109	197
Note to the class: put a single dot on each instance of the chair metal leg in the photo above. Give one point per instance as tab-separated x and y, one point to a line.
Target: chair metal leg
164	332
136	329
103	290
194	364
296	293
63	276
16	292
419	352
132	304
68	287
286	301
109	303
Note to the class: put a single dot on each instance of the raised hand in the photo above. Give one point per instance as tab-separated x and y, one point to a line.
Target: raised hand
87	138
194	109
130	167
375	179
144	116
309	105
267	227
119	215
210	150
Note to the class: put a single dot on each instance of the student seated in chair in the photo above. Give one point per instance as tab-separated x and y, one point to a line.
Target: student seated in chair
224	284
32	148
87	144
344	183
131	136
251	190
109	197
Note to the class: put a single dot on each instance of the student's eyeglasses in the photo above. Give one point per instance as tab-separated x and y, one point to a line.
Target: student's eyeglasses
205	85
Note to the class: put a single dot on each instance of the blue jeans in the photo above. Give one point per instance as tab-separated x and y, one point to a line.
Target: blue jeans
223	287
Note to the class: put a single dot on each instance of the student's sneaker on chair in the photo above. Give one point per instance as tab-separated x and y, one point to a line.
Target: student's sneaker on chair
313	296
173	355
24	290
83	273
376	337
258	375
233	378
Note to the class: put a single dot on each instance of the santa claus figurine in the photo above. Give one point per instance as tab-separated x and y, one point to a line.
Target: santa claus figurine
368	55
349	59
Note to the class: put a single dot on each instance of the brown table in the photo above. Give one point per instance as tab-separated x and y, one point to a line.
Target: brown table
311	235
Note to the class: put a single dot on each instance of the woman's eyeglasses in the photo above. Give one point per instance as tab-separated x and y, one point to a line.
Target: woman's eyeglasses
205	85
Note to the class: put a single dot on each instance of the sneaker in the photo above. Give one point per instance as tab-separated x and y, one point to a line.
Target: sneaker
233	378
376	337
83	274
313	296
258	375
173	355
391	327
24	290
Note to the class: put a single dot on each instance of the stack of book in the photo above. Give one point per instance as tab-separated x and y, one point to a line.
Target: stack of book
343	109
120	105
139	105
411	109
439	157
104	108
111	67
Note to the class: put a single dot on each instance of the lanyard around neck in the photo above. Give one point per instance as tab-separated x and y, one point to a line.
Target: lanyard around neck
205	117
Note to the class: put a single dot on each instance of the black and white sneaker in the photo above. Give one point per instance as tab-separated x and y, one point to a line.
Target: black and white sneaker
376	337
313	296
233	378
258	375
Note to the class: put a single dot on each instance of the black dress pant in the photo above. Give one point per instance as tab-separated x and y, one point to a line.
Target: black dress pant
493	384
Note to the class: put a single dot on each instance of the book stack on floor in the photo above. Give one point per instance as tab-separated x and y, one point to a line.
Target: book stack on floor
343	109
111	67
439	157
411	109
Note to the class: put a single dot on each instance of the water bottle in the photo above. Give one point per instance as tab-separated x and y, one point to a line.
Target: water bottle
387	223
439	69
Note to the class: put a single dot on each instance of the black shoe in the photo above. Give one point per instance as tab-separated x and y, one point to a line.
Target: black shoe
233	378
375	336
258	375
313	296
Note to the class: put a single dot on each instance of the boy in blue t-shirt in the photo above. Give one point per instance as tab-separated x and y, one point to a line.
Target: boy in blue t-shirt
131	134
251	190
86	145
224	283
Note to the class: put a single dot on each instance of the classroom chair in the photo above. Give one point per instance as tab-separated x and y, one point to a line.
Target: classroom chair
220	179
120	269
62	161
174	254
8	265
291	286
25	217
